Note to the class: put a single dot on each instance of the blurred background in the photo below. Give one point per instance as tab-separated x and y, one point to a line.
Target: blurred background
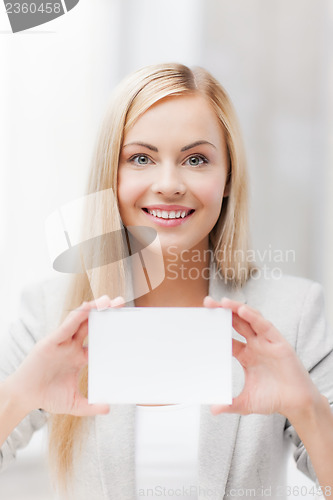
274	58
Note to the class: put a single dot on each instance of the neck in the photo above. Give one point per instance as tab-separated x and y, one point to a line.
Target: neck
186	280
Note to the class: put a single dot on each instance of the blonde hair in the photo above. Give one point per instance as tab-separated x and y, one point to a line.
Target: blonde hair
229	237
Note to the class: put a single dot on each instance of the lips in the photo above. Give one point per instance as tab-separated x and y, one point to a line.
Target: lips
167	207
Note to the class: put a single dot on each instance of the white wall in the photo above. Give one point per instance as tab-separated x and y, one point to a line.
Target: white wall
160	31
273	59
56	79
328	189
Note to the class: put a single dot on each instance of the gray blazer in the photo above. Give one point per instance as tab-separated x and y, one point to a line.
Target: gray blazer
239	456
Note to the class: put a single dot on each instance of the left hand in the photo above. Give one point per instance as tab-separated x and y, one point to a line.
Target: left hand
275	379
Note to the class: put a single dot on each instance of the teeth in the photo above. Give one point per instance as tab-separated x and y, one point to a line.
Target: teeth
163	214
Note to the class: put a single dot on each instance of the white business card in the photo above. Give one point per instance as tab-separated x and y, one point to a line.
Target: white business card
160	355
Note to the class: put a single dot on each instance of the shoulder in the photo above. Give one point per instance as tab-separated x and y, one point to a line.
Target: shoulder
40	311
265	287
271	293
291	303
42	303
50	284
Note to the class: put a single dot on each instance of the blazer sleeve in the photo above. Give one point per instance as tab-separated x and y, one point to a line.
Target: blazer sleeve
314	346
15	346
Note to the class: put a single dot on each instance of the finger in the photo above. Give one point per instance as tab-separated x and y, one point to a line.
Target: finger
101	303
242	327
75	318
217	409
82	333
71	324
224	302
86	354
209	302
259	324
237	406
237	348
106	302
117	302
84	409
83	330
234	305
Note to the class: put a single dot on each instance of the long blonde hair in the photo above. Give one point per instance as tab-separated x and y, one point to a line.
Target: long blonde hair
229	237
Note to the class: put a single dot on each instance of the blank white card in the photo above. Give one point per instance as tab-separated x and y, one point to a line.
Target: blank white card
160	355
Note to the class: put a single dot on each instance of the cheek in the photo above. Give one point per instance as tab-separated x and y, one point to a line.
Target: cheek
130	190
211	194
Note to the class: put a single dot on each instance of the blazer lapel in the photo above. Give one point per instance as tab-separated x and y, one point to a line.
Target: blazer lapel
218	433
216	444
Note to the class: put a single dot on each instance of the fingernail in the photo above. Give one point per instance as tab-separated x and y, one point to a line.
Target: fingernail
104	297
214	409
117	301
102	303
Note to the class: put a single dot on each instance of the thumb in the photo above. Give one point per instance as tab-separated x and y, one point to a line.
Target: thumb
237	406
217	409
84	409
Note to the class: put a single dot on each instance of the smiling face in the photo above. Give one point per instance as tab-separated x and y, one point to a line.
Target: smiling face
172	171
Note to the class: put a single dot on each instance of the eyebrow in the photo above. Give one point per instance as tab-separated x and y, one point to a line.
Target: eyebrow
144	144
196	143
185	148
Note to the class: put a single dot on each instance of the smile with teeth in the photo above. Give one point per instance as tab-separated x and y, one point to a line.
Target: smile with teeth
172	214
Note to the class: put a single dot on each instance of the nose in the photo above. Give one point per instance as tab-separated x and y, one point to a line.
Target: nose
169	181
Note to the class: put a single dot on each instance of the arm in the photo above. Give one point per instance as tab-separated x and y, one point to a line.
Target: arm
276	381
314	426
12	412
311	430
19	340
48	377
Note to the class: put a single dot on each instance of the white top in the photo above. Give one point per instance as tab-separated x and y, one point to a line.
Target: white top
166	452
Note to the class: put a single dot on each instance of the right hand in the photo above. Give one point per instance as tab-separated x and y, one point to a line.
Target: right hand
49	376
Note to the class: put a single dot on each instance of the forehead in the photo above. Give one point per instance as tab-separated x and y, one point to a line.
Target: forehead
178	118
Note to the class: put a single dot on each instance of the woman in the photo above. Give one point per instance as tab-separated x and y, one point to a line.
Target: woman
171	151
